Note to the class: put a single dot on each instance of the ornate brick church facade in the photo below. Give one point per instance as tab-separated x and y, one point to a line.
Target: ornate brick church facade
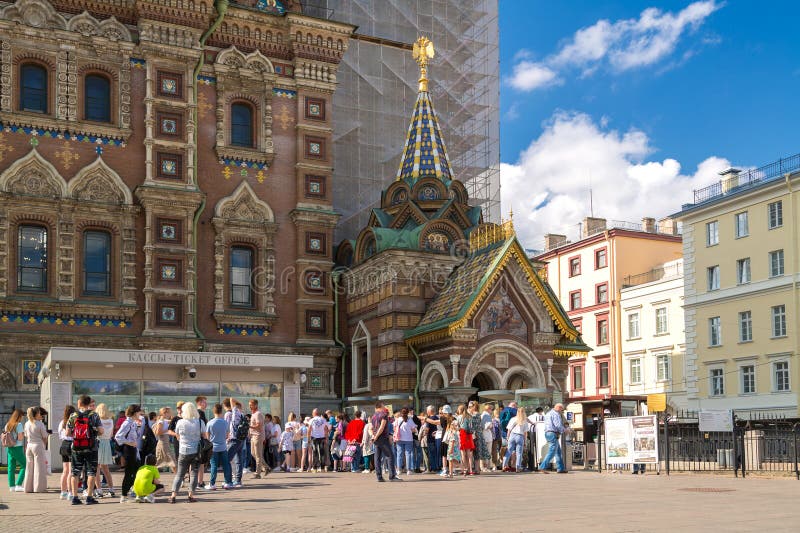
165	196
165	181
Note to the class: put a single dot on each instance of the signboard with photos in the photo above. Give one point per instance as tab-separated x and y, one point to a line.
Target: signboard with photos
631	439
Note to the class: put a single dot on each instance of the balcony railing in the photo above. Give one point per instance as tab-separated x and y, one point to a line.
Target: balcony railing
748	179
662	273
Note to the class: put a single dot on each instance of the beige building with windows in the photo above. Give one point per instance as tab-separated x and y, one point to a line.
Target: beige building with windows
653	341
741	295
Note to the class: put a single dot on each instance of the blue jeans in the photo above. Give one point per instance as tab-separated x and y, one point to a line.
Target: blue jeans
235	454
553	449
515	444
405	448
218	458
639	467
435	454
356	464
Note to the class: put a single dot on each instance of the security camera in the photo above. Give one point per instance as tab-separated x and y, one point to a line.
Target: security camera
192	372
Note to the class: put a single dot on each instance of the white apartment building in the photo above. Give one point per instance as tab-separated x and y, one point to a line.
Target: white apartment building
653	339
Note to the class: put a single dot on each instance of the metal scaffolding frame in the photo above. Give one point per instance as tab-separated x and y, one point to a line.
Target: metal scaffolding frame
378	87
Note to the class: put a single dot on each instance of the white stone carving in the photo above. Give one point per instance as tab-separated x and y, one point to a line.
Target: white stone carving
88	26
33	175
34	13
97	182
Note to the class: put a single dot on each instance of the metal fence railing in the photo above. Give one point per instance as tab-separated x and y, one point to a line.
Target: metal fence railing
760	444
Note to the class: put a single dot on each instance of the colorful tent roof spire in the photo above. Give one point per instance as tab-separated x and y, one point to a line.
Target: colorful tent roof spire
424	154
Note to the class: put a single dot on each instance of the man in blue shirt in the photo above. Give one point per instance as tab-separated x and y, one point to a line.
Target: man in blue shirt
553	428
218	432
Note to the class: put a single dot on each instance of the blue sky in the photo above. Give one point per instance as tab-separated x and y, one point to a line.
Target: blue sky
639	101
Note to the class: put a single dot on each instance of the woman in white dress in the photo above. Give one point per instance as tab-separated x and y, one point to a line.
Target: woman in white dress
105	456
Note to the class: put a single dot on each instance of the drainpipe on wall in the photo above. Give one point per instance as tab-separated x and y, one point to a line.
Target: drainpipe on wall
221	6
335	275
419	371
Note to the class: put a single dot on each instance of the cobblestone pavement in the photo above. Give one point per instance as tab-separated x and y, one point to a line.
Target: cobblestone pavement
494	502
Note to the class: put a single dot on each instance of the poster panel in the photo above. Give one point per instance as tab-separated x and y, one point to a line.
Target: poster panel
619	441
716	420
645	439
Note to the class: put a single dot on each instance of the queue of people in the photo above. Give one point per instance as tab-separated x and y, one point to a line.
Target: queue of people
470	441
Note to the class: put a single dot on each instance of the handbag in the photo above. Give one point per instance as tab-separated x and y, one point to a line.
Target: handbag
204	450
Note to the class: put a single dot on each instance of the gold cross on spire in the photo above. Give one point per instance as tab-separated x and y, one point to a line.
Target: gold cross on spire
423	52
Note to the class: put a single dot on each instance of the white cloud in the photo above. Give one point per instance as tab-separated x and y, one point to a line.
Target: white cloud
529	75
548	188
620	45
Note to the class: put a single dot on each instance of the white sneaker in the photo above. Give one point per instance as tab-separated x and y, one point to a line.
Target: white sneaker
226	486
139	500
150	498
409	472
19	488
209	486
366	472
123	499
246	471
63	495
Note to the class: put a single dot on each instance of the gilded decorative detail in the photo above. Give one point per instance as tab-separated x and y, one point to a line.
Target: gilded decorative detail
285	118
66	155
203	107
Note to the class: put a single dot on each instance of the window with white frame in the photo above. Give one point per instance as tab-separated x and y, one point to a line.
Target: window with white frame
633	326
662	367
712	233
714	331
740	222
745	326
361	347
779	321
776	263
780	375
636	370
775	214
743	271
717	378
662	325
713	277
747	374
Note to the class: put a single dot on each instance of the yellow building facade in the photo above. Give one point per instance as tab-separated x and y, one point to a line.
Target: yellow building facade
740	245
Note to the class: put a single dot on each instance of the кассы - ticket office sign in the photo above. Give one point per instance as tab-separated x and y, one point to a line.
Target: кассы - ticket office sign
147	357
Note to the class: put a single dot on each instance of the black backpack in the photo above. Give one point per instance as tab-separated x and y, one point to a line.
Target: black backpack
242	428
149	440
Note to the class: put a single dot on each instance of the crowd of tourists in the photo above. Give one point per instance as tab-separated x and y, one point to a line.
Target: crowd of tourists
467	441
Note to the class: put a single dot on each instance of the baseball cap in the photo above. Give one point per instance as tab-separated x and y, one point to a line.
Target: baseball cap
447	410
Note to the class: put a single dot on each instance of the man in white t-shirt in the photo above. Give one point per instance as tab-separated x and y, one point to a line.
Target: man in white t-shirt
319	437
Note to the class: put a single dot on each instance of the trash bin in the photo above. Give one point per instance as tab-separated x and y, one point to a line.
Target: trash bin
722	459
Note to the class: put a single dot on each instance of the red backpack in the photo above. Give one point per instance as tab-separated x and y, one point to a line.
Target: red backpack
83	434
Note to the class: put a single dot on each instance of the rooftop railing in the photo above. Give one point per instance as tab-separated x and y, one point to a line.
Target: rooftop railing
662	273
747	179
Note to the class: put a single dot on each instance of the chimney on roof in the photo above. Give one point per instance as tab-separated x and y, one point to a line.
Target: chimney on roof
649	225
668	226
729	178
593	225
551	241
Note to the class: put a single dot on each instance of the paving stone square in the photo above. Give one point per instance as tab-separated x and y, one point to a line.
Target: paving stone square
300	502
